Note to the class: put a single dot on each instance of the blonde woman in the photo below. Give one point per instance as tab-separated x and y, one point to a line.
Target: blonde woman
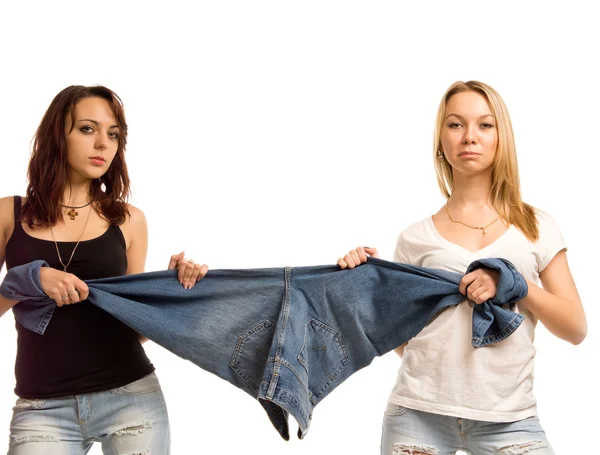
448	395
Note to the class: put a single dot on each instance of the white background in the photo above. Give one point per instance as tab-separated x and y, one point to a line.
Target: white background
285	133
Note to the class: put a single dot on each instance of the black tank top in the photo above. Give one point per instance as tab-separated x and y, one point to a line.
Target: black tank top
84	349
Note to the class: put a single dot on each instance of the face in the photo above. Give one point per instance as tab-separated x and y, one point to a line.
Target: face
469	135
93	140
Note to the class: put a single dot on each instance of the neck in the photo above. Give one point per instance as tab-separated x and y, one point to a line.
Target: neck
470	192
76	193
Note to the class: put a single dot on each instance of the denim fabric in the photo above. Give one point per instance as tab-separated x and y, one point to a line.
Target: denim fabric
286	336
410	431
126	420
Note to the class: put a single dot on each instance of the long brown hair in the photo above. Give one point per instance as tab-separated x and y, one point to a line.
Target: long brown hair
48	172
505	194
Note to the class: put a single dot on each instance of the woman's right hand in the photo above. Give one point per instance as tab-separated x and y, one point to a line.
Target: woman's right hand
64	288
357	257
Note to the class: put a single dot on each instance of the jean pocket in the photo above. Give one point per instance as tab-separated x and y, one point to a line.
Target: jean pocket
23	404
147	384
251	353
323	355
395	410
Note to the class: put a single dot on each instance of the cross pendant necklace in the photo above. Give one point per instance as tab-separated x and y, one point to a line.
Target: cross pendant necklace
481	228
73	213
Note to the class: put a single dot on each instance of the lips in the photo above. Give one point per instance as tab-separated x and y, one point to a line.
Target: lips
97	161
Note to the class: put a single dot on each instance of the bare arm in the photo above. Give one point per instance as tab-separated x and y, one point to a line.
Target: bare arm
400	349
5	304
6	221
136	228
558	305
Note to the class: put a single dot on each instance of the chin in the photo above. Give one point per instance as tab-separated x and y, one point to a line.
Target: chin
91	175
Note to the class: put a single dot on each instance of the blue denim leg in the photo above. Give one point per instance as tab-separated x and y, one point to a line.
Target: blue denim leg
513	438
42	427
407	431
129	419
435	434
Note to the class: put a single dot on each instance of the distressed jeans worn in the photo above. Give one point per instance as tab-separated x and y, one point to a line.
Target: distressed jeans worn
286	336
131	419
408	431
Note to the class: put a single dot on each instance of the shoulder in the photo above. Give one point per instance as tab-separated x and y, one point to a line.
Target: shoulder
543	216
547	225
412	241
135	224
550	240
7	218
7	206
136	217
416	231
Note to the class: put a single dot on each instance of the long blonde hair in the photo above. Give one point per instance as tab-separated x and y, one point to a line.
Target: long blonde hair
505	193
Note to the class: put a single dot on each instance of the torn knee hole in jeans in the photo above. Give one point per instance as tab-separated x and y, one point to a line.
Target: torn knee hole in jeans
27	439
412	449
137	429
520	449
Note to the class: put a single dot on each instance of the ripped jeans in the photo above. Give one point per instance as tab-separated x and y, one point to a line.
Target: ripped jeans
411	432
128	420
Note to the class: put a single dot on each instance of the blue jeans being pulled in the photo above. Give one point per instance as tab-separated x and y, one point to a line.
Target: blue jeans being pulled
286	336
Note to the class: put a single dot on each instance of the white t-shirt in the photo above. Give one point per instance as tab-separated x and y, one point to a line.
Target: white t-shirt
441	371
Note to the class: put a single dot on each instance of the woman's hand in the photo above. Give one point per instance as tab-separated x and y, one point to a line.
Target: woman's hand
357	257
479	285
64	288
188	271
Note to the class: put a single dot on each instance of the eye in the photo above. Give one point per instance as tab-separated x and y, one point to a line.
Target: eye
487	125
113	135
86	129
454	125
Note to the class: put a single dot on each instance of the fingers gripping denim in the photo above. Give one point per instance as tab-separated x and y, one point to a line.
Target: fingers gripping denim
286	336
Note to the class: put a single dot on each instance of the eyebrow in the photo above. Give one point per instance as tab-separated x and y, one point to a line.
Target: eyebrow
95	122
462	118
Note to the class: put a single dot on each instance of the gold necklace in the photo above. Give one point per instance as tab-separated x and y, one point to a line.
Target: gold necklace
76	245
482	228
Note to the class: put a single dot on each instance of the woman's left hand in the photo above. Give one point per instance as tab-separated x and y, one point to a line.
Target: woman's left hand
188	271
479	285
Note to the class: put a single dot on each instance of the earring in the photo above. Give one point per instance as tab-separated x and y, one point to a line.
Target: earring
102	186
440	156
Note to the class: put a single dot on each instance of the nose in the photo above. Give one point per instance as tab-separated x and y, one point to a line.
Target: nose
101	141
469	137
